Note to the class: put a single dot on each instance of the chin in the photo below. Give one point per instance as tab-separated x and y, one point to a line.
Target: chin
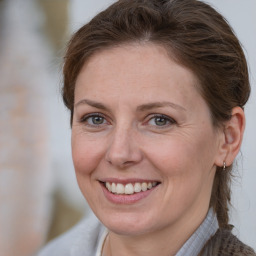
129	224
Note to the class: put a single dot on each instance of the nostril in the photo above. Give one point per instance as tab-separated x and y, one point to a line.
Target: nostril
120	159
121	164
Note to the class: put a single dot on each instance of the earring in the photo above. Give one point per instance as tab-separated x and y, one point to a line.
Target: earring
224	166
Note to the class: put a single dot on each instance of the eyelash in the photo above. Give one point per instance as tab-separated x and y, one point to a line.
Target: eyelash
169	121
85	119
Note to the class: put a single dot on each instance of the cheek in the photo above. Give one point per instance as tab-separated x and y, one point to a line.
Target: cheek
172	155
86	154
184	158
185	166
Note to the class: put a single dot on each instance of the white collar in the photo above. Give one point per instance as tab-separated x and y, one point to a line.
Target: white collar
101	243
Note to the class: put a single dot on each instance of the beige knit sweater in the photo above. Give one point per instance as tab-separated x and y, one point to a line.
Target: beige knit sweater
224	243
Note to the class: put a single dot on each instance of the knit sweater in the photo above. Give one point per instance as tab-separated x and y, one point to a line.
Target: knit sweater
224	243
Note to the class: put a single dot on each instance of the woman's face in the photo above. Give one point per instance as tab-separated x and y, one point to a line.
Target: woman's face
144	148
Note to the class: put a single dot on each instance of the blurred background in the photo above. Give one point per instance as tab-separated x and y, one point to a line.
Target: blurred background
39	197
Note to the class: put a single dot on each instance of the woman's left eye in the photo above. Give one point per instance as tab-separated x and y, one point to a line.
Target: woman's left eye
161	121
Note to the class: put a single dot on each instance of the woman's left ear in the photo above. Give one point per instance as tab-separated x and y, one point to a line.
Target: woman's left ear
231	139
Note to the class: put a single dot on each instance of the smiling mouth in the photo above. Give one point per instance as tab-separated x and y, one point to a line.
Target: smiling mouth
129	188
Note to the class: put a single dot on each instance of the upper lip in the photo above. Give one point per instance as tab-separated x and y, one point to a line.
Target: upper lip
126	181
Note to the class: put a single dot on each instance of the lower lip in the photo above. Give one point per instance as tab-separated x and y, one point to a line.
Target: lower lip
126	199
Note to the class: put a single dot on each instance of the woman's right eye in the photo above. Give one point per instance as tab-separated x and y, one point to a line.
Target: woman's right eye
94	120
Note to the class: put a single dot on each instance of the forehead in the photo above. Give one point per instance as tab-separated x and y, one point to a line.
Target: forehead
124	78
145	65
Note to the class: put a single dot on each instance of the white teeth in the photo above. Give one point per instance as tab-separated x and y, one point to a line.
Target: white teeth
119	188
144	186
108	186
137	187
113	188
129	189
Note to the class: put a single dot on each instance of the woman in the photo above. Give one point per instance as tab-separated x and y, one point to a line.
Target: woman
156	91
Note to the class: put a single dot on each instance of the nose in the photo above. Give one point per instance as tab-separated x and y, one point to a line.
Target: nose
123	150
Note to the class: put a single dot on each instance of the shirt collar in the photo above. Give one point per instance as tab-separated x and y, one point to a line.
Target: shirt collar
205	231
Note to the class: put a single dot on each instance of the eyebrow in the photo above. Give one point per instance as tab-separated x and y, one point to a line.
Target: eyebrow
153	105
140	108
91	103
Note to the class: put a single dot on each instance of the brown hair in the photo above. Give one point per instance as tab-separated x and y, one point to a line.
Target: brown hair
195	35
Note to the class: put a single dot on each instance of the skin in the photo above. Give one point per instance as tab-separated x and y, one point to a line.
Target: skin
181	152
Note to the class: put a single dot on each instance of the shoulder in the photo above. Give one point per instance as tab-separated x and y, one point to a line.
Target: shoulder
225	243
82	239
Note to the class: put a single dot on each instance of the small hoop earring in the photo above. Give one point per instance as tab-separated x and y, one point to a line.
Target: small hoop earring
224	166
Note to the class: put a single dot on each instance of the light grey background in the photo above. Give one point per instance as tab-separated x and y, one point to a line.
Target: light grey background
242	17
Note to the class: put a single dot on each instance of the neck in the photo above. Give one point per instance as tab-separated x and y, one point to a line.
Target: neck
166	241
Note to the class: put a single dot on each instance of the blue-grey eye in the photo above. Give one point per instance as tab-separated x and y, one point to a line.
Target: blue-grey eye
96	120
161	121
